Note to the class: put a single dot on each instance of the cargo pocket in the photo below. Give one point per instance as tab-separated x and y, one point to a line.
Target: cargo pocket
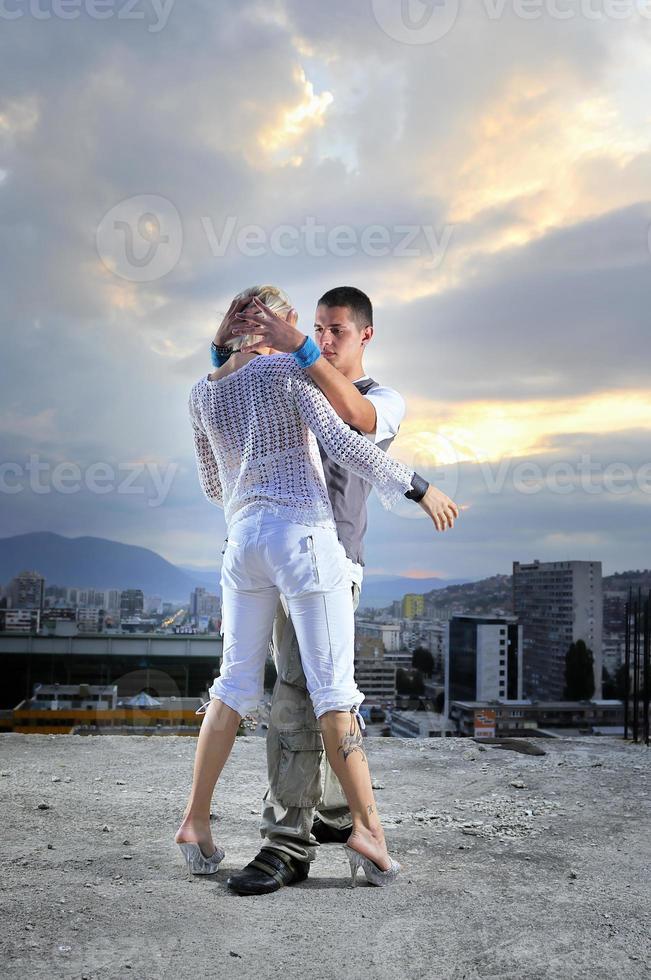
298	780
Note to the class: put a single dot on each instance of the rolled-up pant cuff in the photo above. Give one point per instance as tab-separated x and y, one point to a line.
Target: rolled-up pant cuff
335	702
239	703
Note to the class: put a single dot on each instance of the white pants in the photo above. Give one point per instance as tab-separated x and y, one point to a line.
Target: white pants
265	556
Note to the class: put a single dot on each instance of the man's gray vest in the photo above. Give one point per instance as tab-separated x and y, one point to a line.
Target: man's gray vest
348	493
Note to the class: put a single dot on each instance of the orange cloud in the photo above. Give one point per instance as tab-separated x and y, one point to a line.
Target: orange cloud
435	433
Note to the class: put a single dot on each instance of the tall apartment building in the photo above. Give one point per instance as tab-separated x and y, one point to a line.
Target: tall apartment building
483	659
132	603
558	603
413	606
91	598
204	604
112	600
614	630
26	591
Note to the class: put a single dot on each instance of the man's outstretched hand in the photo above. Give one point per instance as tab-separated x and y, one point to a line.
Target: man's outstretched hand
439	507
273	330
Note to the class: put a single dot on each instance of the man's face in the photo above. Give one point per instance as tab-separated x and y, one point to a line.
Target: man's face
338	337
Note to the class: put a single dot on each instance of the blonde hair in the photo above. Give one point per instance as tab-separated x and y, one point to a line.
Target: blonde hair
271	296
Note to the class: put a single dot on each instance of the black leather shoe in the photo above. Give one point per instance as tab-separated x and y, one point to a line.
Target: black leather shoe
267	872
325	834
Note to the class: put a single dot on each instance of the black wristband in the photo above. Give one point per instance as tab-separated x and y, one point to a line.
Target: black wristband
419	487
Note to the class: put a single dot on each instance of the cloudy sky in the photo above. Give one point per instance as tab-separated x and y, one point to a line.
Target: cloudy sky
484	174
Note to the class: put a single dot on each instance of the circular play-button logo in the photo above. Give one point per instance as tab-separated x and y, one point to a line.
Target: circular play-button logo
416	21
140	239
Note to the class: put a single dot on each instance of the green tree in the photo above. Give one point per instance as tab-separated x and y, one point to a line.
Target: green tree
423	661
609	687
270	675
403	682
620	682
579	673
417	684
409	683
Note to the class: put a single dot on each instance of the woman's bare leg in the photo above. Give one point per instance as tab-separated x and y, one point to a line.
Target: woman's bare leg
216	737
344	747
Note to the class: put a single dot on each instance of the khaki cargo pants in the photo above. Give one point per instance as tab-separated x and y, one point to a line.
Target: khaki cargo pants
300	777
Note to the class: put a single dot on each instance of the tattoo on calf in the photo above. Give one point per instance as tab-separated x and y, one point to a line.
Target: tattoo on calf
352	741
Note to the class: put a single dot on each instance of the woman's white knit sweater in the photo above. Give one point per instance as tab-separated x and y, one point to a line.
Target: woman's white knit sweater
255	433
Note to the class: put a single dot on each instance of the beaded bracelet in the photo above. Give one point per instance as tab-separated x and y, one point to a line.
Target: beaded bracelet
219	355
307	353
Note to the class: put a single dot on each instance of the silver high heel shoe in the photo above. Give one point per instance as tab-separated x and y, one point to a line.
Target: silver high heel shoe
373	874
197	861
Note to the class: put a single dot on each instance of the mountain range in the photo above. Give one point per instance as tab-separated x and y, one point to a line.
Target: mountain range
98	563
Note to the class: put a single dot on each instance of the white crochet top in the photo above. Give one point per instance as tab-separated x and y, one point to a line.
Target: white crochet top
255	433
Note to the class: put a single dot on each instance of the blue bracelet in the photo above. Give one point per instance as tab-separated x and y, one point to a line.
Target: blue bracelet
217	358
307	353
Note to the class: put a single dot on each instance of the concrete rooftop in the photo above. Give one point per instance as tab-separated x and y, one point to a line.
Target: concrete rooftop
515	866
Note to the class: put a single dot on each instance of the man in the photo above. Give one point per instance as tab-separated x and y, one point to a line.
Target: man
343	328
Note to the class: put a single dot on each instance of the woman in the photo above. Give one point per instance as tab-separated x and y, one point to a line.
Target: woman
255	423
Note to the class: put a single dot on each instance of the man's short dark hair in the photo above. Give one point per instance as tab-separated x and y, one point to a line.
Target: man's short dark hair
355	300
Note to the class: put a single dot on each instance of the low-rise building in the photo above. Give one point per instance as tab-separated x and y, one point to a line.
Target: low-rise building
377	679
399	658
418	724
387	633
530	717
90	709
20	620
88	619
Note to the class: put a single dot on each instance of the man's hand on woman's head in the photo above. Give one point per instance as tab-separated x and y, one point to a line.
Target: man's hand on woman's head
225	328
439	507
274	331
